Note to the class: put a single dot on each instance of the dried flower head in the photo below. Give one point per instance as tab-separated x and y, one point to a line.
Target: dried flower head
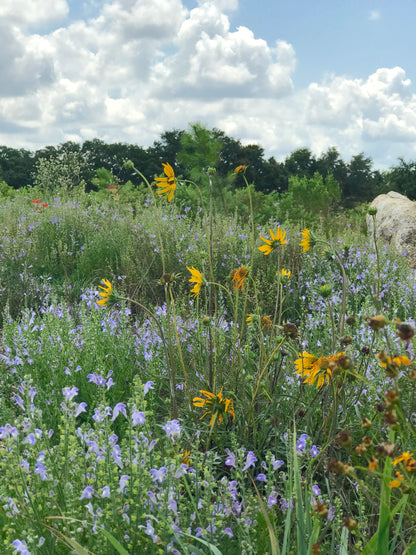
238	277
376	323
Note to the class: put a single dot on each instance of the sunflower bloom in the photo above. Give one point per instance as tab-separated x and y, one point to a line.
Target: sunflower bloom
276	239
239	169
186	457
315	369
105	293
408	460
167	184
397	482
285	274
239	276
215	405
395	361
265	321
196	277
306	240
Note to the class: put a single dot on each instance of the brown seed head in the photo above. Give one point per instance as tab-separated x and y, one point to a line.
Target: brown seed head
346	340
344	438
376	323
367	441
392	397
290	330
349	523
365	423
405	331
320	509
385	449
390	417
350	320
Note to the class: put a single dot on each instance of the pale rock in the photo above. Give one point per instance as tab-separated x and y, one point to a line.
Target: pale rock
395	223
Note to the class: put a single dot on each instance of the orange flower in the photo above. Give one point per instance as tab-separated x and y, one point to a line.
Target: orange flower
397	482
239	169
239	277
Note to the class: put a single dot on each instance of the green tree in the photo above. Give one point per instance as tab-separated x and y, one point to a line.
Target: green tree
308	198
301	162
16	166
402	178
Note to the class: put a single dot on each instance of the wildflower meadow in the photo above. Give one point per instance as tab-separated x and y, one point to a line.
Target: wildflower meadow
177	379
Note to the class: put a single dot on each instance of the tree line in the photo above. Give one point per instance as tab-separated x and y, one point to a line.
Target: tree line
192	151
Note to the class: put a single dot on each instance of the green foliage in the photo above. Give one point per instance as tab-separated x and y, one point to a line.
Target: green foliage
308	198
59	174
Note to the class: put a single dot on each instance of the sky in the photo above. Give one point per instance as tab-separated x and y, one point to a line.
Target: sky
281	74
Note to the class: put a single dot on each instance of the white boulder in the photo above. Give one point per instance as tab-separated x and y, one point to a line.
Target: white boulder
395	223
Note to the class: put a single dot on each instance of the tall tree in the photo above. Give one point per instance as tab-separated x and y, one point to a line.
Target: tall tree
402	178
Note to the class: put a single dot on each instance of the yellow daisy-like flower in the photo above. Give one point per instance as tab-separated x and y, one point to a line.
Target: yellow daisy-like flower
265	321
285	274
186	457
276	239
408	460
239	169
105	293
397	482
316	369
196	277
239	276
168	183
396	361
373	464
306	240
215	405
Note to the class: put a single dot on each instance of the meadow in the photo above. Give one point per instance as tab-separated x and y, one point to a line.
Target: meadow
177	380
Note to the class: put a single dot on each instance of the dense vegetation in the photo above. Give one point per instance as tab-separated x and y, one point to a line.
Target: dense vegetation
214	369
70	164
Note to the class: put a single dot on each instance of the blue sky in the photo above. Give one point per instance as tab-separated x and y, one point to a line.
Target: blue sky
280	74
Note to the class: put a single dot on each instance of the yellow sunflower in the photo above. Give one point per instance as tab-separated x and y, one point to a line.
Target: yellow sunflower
167	184
306	240
276	239
196	277
215	405
315	369
105	293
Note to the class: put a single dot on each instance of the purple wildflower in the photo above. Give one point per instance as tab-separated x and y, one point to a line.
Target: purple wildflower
172	429
250	461
314	451
261	477
123	483
70	392
158	475
138	417
230	460
87	493
105	492
119	408
20	546
79	408
147	386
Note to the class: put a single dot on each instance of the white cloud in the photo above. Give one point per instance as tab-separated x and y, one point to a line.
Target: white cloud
141	67
33	12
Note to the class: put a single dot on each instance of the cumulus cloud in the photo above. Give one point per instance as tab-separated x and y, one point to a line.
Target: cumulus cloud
141	67
28	12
